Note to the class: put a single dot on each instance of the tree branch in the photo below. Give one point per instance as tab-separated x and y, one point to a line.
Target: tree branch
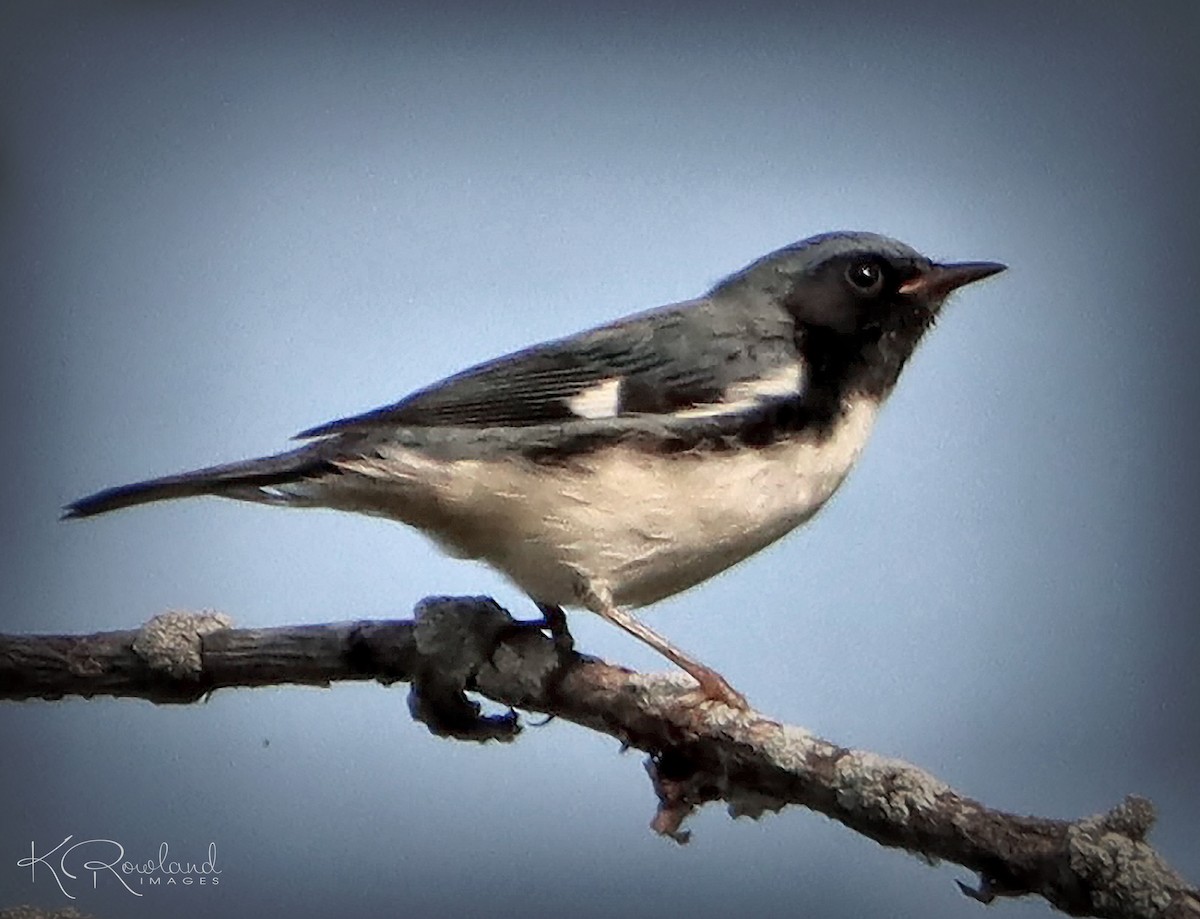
1100	865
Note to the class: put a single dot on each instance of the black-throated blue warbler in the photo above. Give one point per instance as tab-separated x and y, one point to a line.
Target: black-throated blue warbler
624	464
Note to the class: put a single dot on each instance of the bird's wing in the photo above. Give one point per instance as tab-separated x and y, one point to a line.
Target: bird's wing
687	358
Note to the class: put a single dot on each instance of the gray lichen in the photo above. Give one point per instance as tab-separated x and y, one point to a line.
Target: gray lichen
171	642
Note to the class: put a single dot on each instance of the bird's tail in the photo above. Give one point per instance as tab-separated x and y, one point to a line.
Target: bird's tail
261	480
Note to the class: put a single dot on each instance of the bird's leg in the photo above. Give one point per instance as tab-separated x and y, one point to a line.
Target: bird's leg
555	620
713	686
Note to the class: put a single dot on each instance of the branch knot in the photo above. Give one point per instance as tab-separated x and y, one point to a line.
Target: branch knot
456	638
173	642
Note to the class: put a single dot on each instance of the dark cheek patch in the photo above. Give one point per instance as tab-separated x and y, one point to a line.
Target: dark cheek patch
827	305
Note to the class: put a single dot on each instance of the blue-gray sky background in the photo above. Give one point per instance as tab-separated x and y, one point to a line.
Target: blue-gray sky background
224	223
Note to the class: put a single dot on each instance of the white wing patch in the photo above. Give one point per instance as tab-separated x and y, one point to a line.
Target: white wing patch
603	400
600	401
780	382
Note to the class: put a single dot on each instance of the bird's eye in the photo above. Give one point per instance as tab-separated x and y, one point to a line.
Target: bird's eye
865	277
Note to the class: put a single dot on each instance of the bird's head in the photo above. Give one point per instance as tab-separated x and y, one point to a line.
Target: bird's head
855	297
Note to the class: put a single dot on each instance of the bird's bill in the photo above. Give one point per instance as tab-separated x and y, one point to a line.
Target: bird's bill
938	281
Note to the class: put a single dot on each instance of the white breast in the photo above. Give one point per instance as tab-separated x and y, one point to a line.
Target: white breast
639	525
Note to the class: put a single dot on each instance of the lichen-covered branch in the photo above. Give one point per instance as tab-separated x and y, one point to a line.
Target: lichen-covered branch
1100	866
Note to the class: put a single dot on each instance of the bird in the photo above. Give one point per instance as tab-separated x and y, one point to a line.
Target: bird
613	468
